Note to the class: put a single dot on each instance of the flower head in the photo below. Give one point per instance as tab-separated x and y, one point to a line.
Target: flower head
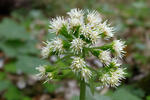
77	64
75	22
49	76
57	45
86	74
77	45
91	34
76	13
85	30
113	78
57	24
106	30
105	57
93	17
118	47
115	62
45	52
94	36
41	70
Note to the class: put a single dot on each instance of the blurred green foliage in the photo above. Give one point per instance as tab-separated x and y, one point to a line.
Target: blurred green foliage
122	93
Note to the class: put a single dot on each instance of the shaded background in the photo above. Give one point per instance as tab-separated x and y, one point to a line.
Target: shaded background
24	25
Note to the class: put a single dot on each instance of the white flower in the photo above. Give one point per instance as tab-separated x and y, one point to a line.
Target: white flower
49	76
120	72
89	33
45	52
93	17
116	62
86	74
76	13
106	30
85	30
77	45
57	45
113	78
94	36
118	47
77	64
105	57
41	70
56	24
75	22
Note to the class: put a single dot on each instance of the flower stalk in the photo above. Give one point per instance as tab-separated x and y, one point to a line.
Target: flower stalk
82	90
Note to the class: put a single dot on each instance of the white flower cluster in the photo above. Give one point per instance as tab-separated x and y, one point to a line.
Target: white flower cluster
79	66
113	78
76	17
105	57
42	71
77	45
56	45
118	47
107	30
57	24
93	18
77	35
43	74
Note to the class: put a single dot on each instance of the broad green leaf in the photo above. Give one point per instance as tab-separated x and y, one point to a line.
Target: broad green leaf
27	98
123	94
10	67
50	87
101	97
75	98
13	94
13	48
4	84
27	64
2	75
9	29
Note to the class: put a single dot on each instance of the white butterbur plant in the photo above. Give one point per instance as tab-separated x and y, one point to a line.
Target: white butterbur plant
78	37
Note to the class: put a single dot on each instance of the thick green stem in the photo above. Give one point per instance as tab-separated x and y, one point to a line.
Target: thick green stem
82	90
104	47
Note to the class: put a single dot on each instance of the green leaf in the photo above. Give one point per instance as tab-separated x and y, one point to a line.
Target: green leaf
123	94
9	29
75	98
29	48
148	97
13	94
13	48
27	98
10	67
4	84
64	32
92	86
50	87
27	64
101	97
10	48
2	75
